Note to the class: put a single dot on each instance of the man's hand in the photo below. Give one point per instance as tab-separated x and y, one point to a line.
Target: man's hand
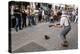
56	26
51	25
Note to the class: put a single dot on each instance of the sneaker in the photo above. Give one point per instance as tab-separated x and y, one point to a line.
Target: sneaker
65	44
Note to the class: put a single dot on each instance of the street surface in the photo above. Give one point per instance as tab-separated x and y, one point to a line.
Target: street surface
32	38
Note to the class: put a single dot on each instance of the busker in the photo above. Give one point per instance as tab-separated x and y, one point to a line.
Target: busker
64	22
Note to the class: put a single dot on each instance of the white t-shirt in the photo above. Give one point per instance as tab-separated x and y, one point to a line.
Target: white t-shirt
12	10
73	13
64	21
43	13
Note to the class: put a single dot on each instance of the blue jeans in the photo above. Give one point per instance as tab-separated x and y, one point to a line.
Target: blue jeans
29	20
64	32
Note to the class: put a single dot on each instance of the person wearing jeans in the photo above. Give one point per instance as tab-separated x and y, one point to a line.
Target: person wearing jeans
18	23
64	22
18	18
24	19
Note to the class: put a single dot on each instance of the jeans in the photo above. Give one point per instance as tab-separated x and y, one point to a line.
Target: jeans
18	23
64	32
29	20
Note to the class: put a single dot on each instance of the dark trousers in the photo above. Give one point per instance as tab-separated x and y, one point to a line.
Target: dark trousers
39	18
24	22
33	21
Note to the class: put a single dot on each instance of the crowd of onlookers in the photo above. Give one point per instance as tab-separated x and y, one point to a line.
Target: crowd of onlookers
25	16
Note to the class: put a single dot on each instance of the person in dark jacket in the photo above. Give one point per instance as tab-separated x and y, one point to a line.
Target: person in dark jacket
24	19
18	18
